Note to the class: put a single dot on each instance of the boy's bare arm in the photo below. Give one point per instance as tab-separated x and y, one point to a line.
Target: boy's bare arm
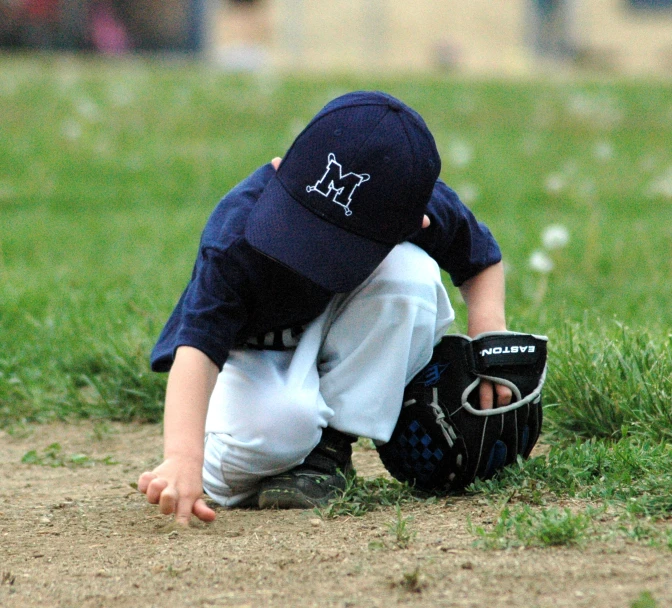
484	295
176	485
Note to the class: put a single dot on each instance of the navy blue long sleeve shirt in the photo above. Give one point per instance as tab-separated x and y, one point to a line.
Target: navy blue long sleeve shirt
238	296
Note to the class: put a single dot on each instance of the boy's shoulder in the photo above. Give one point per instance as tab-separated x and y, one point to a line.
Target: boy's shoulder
226	223
444	197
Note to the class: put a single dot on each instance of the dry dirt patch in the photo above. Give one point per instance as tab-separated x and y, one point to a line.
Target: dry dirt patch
82	536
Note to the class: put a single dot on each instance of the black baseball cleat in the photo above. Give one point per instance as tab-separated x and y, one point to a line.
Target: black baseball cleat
321	477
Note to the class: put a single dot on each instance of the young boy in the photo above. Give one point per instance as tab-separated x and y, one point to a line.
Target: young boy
315	298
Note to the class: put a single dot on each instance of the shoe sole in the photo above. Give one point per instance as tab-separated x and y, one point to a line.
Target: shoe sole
288	499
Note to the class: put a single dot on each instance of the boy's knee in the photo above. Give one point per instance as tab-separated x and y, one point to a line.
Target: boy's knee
235	462
294	427
407	271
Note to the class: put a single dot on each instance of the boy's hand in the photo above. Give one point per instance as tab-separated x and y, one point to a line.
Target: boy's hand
484	296
493	395
176	486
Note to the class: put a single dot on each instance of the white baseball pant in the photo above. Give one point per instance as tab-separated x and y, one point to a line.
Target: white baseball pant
348	371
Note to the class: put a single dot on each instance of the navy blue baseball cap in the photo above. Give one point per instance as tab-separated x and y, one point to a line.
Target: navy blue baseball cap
355	183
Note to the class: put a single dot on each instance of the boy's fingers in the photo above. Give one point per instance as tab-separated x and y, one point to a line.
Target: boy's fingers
485	395
155	490
504	394
168	501
144	480
203	511
276	162
494	395
185	508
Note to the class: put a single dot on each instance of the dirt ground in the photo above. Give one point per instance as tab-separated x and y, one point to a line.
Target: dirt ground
82	536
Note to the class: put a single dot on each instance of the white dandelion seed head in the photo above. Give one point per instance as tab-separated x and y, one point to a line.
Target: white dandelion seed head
600	110
603	151
555	236
87	109
468	193
661	186
460	153
71	130
540	262
555	183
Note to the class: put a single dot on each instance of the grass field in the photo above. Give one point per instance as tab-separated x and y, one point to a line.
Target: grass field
108	171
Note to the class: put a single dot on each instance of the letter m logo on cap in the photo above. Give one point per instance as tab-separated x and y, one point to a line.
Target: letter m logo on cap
337	187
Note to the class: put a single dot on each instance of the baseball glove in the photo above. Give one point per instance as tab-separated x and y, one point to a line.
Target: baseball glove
443	440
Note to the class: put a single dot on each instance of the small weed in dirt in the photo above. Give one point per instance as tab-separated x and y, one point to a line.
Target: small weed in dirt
528	528
366	444
403	536
646	530
645	600
364	495
7	578
102	430
53	456
377	545
412	582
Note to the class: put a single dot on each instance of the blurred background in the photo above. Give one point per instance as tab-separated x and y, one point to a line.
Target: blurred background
122	123
630	37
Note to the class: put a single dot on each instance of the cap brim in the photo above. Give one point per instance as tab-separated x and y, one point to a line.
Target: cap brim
283	229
